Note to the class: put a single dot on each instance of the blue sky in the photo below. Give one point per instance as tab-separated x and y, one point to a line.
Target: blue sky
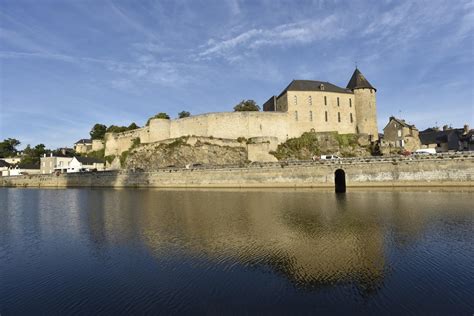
66	65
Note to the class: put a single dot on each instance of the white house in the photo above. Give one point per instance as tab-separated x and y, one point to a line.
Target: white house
81	164
4	168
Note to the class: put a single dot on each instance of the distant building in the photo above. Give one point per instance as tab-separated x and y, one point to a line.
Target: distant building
54	163
12	160
84	146
25	169
398	133
448	139
81	164
4	168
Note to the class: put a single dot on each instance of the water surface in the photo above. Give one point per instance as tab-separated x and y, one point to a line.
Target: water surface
109	251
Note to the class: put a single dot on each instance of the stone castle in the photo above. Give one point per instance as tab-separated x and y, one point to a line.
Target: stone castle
304	106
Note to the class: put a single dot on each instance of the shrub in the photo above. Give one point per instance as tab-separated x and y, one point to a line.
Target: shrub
160	115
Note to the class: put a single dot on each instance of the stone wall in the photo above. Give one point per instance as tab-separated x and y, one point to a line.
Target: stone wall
397	172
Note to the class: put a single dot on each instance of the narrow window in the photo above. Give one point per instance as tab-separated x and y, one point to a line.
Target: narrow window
295	99
311	116
325	100
338	101
339	117
326	115
350	103
352	120
310	100
399	133
296	115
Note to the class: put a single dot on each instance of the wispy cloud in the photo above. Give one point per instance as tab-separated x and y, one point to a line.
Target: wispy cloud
303	32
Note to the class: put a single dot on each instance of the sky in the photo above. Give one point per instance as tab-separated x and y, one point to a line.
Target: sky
68	64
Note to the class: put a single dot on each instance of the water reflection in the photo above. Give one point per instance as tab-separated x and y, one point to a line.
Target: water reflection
217	242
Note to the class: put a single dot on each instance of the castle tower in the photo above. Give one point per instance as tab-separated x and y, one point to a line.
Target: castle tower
365	104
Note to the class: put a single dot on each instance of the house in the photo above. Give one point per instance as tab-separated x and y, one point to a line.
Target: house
12	160
84	146
4	168
398	133
54	163
25	169
81	164
448	139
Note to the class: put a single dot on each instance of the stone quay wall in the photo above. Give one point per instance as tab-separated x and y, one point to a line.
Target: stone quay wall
454	171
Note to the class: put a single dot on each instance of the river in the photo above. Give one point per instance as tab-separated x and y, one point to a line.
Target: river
279	251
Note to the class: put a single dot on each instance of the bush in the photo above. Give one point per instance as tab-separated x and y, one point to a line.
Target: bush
303	147
160	115
109	158
184	114
246	105
123	158
99	154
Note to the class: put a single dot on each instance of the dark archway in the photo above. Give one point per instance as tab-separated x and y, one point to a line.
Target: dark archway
340	181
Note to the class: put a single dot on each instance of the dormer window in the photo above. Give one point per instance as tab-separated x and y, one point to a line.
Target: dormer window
321	87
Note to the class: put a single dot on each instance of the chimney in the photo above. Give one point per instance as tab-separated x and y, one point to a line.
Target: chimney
466	129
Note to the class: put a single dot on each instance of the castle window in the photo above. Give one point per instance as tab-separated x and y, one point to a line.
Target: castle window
310	100
296	115
311	116
326	115
339	117
295	100
338	101
350	103
352	120
325	100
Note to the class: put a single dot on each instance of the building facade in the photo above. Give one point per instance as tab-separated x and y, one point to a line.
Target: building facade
301	107
399	134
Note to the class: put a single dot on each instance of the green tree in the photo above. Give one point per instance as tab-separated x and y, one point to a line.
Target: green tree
160	115
183	114
116	129
132	126
98	131
8	147
246	105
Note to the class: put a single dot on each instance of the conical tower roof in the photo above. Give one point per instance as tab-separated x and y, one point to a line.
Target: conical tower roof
358	81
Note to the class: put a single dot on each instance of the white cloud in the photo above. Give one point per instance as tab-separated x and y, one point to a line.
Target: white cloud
306	31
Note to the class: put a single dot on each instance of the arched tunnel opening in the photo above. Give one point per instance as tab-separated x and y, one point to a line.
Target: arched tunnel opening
340	181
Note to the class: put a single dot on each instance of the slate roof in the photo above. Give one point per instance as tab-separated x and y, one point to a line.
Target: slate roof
3	163
33	165
432	136
313	85
84	141
88	160
401	122
358	81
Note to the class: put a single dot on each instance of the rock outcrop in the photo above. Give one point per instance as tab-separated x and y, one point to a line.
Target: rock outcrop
186	151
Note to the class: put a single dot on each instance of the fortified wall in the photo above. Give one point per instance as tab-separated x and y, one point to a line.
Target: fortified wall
449	171
227	125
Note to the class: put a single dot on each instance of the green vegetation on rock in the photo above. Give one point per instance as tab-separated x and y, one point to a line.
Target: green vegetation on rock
301	148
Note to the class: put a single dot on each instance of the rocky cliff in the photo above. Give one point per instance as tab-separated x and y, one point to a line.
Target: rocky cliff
185	151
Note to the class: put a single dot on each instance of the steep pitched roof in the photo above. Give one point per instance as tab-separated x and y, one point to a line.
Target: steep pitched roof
358	81
313	85
3	163
84	141
401	122
88	160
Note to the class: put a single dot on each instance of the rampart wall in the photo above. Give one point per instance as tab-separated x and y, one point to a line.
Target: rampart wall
387	173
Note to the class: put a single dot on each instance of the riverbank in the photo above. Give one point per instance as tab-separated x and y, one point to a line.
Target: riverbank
431	172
